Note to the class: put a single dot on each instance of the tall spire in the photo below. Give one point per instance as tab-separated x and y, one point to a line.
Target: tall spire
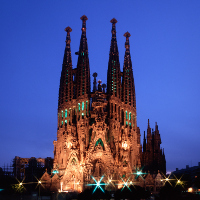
128	87
66	80
83	69
94	82
144	143
67	56
149	137
157	139
114	74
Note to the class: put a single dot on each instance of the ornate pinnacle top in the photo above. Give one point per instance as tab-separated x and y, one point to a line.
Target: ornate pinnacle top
94	74
113	31
127	34
84	18
68	30
99	81
113	21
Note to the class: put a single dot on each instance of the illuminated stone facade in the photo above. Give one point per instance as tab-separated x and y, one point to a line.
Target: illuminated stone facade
97	131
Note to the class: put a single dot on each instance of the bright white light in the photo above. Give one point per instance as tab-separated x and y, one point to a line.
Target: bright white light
139	173
190	189
39	182
20	184
124	145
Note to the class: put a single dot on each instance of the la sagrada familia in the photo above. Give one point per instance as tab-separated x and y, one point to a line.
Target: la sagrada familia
97	132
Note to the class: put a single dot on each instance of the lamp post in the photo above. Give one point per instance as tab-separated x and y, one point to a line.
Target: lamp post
39	182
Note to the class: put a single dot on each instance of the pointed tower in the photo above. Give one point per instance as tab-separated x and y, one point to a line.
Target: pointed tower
64	105
144	143
83	69
128	87
149	137
114	74
66	80
153	158
157	140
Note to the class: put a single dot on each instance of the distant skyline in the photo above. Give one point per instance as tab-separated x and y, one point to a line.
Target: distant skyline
165	53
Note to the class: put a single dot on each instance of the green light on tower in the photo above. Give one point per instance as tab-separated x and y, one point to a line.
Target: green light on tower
129	115
65	113
79	107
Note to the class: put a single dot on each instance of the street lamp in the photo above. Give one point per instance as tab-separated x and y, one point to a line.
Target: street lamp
39	183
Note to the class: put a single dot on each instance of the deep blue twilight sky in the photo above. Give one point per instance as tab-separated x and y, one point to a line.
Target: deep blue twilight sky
165	52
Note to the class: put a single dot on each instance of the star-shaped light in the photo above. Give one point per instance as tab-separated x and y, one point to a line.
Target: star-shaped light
139	173
110	181
178	181
98	184
167	179
126	183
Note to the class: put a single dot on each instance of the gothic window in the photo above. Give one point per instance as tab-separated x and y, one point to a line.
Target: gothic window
65	113
73	162
99	141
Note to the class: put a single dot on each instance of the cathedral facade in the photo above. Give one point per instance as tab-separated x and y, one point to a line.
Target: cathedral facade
97	133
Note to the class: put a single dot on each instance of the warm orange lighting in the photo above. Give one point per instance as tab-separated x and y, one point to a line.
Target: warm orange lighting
190	189
124	145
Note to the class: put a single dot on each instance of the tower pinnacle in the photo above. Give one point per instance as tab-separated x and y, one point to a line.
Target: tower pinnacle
84	18
83	70
68	30
113	31
114	73
127	46
128	91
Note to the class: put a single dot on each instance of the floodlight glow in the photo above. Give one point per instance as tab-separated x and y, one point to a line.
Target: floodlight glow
98	184
139	173
55	172
125	183
39	182
20	184
190	189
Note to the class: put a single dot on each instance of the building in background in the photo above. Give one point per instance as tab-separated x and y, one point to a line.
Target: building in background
97	132
28	168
